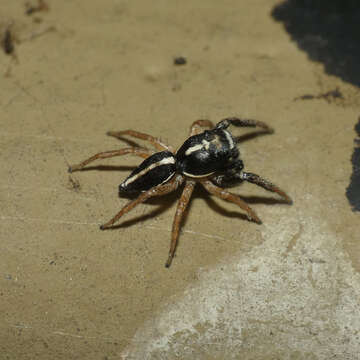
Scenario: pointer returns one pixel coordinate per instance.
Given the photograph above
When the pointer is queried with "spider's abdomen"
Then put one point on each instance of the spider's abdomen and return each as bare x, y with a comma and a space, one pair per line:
206, 153
155, 170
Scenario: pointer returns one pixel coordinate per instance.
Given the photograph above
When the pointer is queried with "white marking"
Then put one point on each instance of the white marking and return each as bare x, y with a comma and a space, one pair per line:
197, 176
229, 139
168, 178
217, 142
204, 145
168, 160
193, 149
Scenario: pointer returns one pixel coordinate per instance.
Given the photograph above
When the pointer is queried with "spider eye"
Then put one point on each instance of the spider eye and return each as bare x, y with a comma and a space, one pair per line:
208, 135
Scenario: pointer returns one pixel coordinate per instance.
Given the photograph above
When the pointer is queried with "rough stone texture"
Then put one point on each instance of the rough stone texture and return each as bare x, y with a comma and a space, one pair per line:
287, 289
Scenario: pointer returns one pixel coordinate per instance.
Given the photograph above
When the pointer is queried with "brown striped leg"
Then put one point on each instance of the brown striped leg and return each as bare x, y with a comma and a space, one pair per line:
267, 185
159, 145
164, 189
225, 195
244, 123
198, 125
180, 210
144, 153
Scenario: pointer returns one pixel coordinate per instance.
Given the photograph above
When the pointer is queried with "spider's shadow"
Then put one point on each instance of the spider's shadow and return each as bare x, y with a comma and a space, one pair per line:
238, 139
250, 135
129, 142
203, 194
163, 203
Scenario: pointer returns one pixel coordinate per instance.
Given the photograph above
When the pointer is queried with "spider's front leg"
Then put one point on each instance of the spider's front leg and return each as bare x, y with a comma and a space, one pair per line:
266, 184
231, 176
225, 123
236, 174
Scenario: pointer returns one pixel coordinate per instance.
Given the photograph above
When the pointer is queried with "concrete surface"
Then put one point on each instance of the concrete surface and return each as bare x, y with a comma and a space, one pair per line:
287, 289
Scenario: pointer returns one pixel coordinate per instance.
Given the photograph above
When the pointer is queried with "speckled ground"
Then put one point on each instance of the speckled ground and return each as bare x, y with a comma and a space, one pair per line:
286, 289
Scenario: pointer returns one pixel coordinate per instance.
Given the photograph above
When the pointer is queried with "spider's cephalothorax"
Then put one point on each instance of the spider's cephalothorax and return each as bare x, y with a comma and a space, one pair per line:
207, 153
209, 157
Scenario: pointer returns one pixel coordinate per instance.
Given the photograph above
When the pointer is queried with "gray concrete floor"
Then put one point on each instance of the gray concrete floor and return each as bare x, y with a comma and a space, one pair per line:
286, 289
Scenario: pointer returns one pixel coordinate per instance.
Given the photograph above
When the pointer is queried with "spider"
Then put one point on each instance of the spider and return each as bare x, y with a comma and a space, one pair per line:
209, 157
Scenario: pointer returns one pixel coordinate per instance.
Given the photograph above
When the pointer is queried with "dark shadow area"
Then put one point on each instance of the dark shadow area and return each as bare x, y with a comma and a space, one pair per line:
200, 192
163, 203
250, 136
214, 206
329, 96
265, 200
353, 190
328, 31
129, 142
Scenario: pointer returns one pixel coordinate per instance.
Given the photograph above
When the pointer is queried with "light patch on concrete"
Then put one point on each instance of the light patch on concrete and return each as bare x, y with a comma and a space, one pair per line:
294, 297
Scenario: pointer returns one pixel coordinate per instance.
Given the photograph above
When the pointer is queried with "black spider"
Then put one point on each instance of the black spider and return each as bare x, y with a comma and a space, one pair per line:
209, 157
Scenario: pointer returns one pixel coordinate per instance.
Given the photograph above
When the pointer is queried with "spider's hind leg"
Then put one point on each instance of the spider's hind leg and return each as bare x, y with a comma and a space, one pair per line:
156, 142
144, 153
164, 189
198, 126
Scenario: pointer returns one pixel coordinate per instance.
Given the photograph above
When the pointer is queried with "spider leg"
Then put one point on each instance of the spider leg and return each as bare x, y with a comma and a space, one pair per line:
144, 153
157, 143
230, 176
197, 126
226, 195
267, 185
225, 123
164, 189
180, 210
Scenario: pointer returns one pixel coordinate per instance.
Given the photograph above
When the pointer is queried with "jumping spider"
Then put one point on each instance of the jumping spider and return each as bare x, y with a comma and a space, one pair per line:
209, 157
